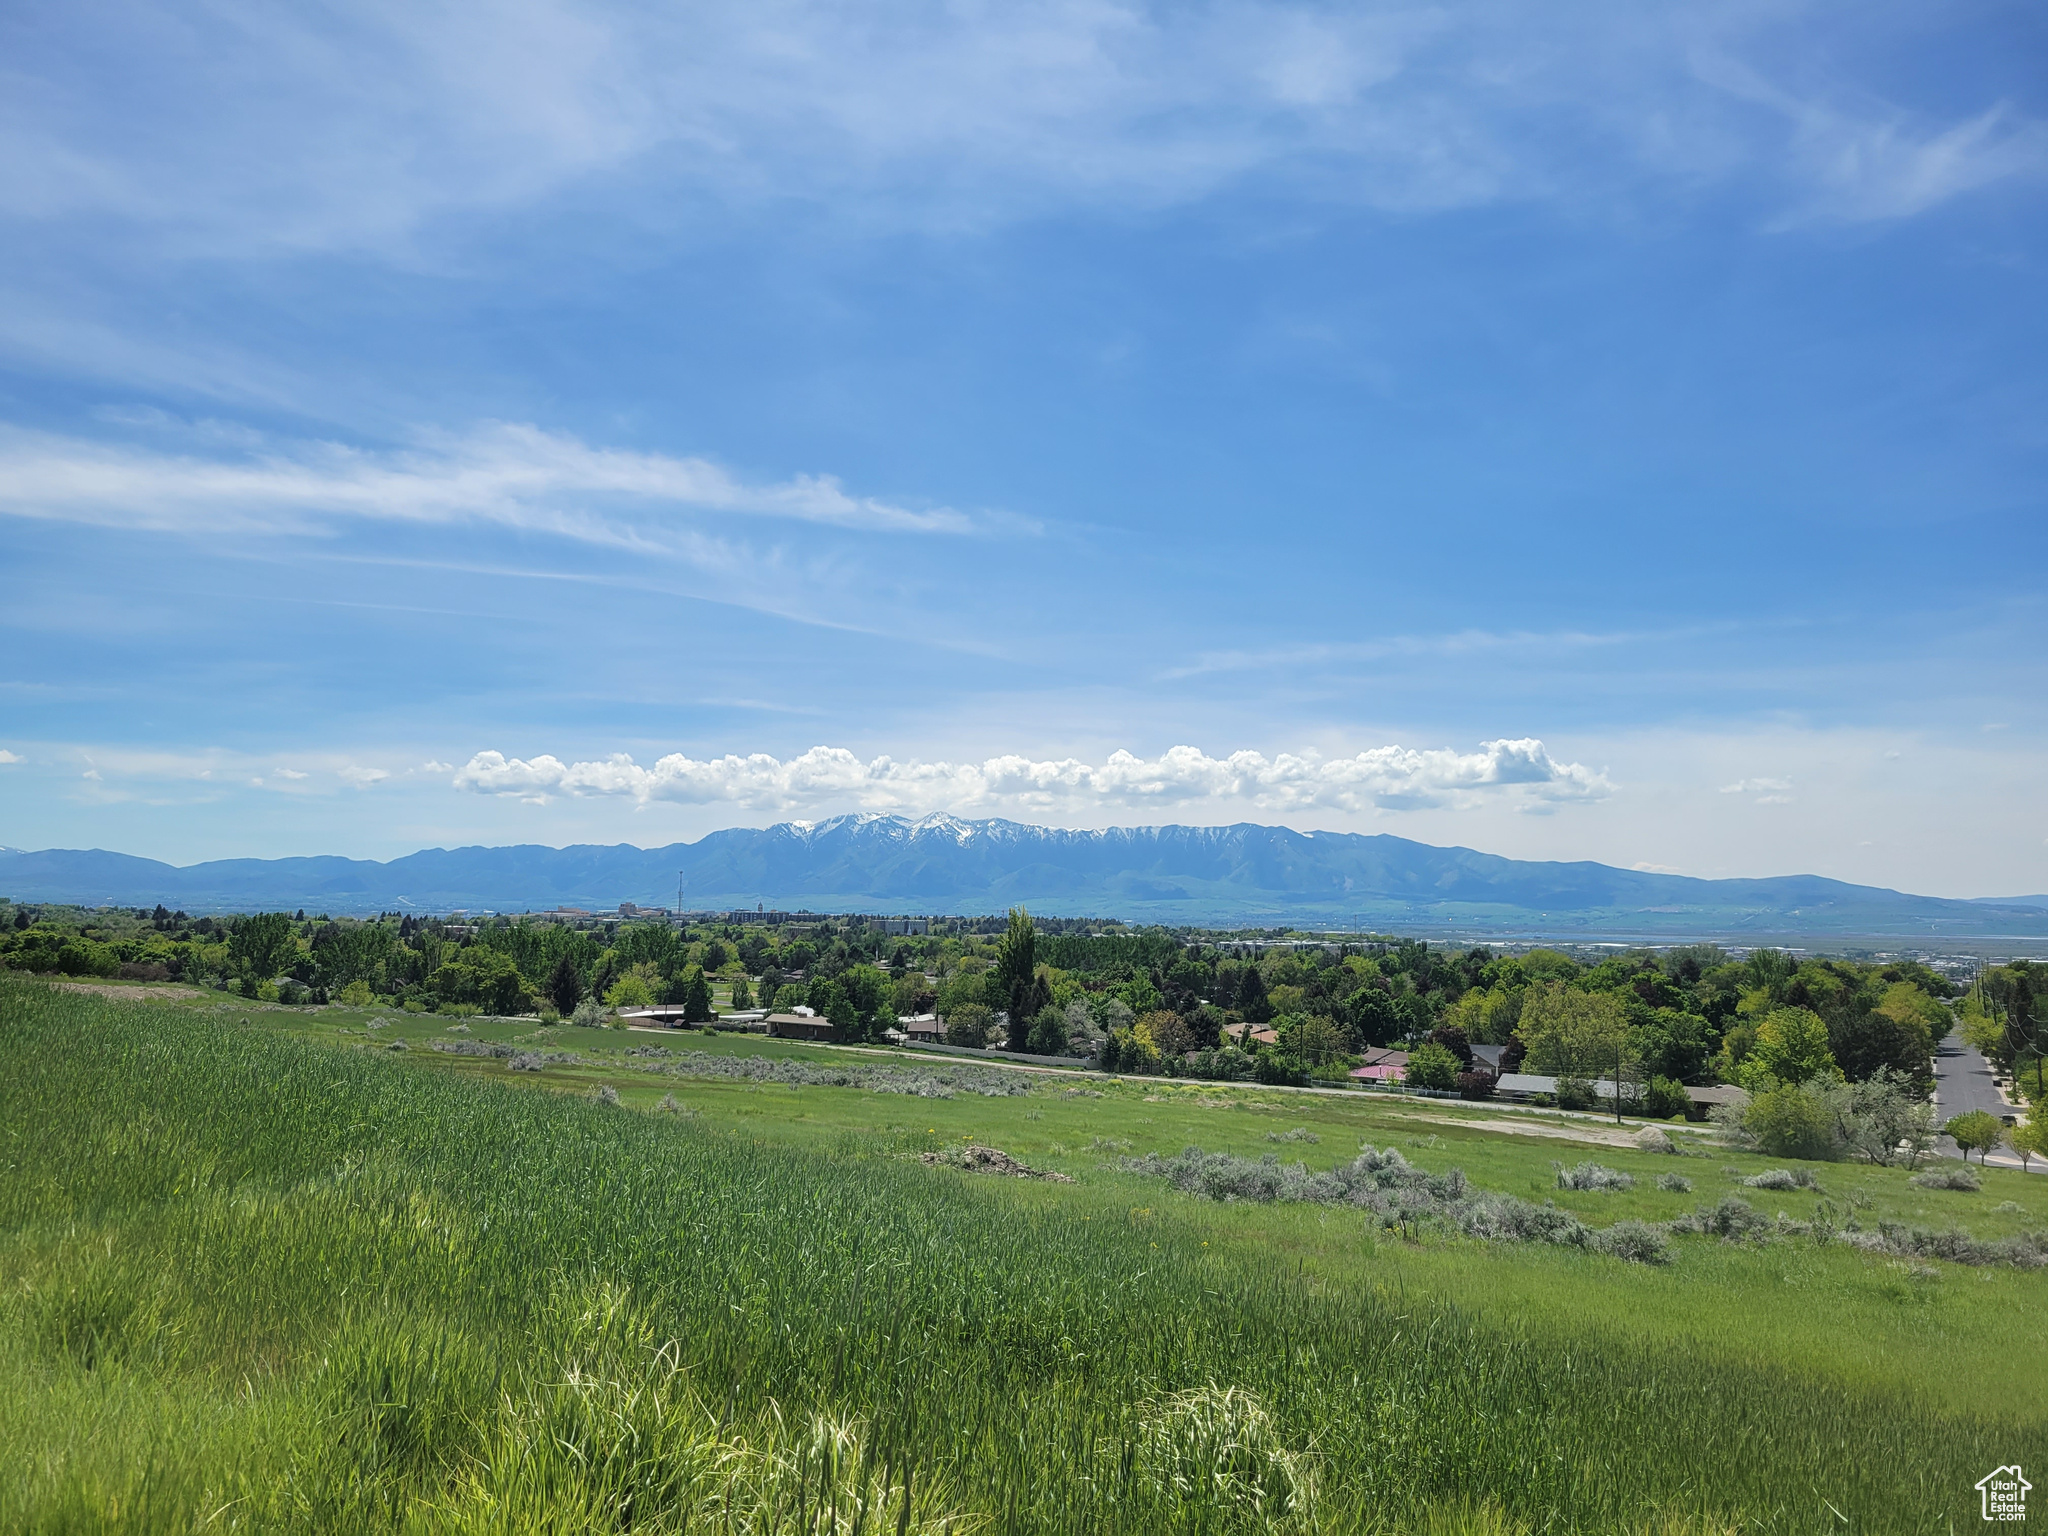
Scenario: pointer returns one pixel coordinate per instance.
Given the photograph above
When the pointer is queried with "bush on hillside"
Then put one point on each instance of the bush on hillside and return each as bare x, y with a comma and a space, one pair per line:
1782, 1179
1791, 1120
1956, 1176
1593, 1176
1636, 1241
1732, 1218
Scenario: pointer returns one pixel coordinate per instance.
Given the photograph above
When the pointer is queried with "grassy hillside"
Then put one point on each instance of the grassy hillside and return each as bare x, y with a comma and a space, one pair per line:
254, 1282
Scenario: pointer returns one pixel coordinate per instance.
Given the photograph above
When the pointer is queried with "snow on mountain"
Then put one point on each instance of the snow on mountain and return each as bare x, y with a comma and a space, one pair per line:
1242, 874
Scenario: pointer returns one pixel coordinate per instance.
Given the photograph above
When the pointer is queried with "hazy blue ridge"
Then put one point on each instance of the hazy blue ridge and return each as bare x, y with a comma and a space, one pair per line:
1242, 874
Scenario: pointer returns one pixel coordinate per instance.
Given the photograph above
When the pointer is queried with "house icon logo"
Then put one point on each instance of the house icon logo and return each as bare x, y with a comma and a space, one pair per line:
2005, 1494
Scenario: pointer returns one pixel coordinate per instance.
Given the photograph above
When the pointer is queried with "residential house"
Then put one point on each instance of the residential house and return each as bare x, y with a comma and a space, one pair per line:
802, 1024
921, 1028
1380, 1065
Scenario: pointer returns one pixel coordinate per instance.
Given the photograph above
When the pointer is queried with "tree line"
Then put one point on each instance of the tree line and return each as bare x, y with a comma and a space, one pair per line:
1185, 1002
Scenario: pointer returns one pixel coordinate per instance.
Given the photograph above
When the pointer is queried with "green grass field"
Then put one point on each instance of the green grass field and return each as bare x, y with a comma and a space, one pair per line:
275, 1275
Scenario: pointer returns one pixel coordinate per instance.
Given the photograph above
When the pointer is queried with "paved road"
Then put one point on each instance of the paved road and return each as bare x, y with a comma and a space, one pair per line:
1962, 1082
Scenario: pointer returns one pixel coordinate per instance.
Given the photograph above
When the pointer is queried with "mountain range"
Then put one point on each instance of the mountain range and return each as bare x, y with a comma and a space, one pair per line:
1243, 875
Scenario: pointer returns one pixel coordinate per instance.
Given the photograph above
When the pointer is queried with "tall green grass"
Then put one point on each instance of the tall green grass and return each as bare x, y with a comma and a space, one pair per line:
251, 1284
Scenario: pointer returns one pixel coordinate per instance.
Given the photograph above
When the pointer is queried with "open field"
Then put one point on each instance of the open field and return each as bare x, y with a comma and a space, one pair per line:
278, 1275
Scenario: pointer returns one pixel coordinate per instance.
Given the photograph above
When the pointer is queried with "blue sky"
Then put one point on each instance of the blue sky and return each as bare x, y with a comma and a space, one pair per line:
1592, 431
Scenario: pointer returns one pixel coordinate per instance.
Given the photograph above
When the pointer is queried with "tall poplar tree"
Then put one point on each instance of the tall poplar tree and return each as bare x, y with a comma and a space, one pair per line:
1016, 969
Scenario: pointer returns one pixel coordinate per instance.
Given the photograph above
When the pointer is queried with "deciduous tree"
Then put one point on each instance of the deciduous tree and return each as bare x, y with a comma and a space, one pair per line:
968, 1025
1167, 1033
1791, 1047
2030, 1139
1575, 1034
1977, 1132
262, 945
1431, 1066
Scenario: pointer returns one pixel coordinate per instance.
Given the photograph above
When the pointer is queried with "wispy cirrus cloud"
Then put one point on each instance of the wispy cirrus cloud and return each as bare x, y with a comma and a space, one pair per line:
901, 113
511, 475
1863, 159
159, 775
1382, 778
1461, 643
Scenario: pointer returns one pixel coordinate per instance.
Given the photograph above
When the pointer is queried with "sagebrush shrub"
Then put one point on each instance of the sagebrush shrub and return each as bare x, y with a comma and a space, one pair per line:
1593, 1176
1961, 1176
933, 1082
1731, 1217
1782, 1178
1636, 1241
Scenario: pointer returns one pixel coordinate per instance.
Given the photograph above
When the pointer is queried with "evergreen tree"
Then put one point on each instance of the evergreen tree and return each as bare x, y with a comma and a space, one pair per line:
696, 997
1251, 997
565, 986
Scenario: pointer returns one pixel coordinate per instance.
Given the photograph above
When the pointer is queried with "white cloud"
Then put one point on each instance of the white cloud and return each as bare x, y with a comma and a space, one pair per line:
1388, 778
375, 121
1864, 159
1751, 786
512, 475
289, 773
9, 757
361, 777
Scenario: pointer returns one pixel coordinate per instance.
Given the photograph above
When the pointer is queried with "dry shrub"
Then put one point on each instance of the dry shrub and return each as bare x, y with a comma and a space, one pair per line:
1593, 1176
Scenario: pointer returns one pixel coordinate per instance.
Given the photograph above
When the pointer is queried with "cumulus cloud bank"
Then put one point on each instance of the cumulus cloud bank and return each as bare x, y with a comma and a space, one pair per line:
1389, 778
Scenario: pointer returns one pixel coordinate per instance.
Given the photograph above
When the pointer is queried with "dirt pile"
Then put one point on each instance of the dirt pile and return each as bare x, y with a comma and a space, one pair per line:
988, 1160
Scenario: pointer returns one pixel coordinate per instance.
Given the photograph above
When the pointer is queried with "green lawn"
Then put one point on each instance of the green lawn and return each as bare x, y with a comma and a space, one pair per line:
278, 1273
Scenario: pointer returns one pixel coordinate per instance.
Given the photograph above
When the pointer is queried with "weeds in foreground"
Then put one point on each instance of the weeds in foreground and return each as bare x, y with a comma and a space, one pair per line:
258, 1285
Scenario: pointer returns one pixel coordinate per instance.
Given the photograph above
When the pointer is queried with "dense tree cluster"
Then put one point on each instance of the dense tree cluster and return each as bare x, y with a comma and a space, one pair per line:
1281, 1011
1179, 1003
